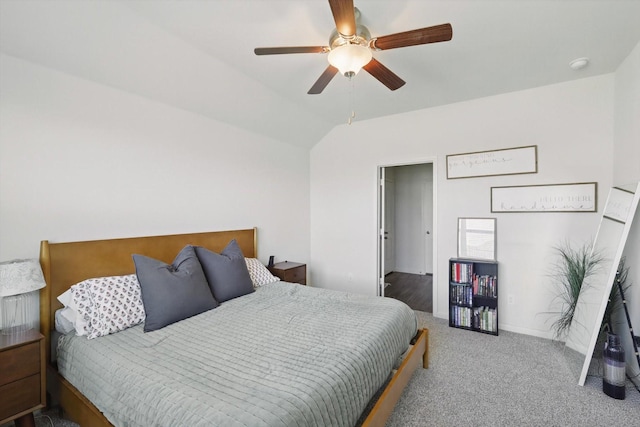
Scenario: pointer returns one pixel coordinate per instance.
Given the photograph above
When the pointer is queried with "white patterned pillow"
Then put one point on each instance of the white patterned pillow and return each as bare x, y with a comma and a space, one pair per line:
107, 305
259, 273
77, 299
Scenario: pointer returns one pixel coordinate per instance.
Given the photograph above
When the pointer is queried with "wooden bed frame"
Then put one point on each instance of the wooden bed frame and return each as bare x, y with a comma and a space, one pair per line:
65, 264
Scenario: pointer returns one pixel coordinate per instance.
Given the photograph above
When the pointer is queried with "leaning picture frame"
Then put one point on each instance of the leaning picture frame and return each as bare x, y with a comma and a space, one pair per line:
477, 238
618, 204
575, 197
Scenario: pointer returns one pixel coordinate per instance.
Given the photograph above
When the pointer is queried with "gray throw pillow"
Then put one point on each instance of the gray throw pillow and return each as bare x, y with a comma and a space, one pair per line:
226, 272
172, 292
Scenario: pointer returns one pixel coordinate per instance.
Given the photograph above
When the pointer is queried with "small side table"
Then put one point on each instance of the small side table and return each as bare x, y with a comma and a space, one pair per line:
293, 272
22, 377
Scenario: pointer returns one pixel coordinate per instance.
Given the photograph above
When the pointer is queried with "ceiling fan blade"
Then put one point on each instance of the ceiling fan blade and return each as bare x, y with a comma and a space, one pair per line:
290, 49
323, 80
344, 15
438, 33
383, 74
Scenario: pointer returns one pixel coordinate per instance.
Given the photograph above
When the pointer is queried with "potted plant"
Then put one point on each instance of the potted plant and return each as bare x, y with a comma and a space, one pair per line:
571, 270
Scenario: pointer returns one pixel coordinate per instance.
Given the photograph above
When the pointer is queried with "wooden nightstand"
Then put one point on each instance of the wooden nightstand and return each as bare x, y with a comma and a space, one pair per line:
293, 272
22, 377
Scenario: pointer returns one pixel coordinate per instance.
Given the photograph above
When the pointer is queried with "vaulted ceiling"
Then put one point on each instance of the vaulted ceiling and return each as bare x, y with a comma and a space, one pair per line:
198, 55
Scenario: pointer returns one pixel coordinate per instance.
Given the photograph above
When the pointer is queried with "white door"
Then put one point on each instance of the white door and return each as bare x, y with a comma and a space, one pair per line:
427, 221
388, 235
381, 222
386, 226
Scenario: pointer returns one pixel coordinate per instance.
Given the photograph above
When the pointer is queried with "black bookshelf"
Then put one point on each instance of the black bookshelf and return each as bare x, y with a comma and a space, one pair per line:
473, 295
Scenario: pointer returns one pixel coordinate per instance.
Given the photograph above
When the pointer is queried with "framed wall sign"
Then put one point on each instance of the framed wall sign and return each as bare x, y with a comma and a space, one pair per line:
580, 197
618, 204
507, 161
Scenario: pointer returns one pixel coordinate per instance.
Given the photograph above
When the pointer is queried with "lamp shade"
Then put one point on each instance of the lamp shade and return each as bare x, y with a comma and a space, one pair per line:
350, 58
20, 276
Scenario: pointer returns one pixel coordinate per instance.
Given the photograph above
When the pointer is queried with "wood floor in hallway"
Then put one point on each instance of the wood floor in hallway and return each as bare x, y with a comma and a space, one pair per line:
415, 290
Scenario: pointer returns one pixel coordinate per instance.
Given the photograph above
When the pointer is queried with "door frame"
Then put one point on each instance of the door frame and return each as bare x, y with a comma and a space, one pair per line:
380, 224
389, 221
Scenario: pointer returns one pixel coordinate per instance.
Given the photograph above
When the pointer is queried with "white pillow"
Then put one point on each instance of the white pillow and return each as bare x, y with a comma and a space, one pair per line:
259, 273
105, 305
67, 316
64, 320
65, 298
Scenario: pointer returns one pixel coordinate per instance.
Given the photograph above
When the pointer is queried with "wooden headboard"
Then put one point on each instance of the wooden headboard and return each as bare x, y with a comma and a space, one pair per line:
65, 264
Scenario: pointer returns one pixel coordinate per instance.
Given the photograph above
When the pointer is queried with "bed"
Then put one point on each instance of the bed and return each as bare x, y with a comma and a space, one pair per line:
266, 374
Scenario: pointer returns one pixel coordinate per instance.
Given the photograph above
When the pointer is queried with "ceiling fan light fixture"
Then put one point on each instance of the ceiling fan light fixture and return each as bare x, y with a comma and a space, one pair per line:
349, 58
351, 47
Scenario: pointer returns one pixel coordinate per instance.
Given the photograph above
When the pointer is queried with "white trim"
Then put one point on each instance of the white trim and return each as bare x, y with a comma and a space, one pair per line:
527, 331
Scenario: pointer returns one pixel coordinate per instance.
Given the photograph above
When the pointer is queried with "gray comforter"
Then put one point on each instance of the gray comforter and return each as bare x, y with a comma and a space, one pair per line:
285, 355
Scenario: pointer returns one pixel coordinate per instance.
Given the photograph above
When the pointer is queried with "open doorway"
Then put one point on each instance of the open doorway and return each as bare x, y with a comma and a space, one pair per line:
406, 219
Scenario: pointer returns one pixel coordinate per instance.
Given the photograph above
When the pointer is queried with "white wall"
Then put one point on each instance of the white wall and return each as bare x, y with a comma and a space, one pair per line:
572, 125
627, 170
82, 161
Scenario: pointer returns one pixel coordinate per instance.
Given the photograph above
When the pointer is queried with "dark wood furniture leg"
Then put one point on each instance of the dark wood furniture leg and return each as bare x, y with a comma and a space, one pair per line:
25, 421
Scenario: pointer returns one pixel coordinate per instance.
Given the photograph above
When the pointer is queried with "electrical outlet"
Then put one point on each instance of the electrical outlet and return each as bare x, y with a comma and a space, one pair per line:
511, 299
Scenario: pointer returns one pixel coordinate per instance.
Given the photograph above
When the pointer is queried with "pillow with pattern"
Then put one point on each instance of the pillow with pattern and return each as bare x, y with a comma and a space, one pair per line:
259, 273
79, 303
105, 305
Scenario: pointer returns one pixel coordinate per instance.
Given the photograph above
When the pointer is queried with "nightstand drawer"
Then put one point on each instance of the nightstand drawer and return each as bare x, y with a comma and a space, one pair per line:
19, 396
288, 271
19, 363
296, 275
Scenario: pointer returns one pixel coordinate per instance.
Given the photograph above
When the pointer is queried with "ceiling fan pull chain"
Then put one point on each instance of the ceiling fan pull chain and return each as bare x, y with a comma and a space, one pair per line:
352, 96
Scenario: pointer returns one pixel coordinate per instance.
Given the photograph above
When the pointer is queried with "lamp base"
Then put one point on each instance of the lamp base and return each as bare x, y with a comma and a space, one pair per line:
19, 313
15, 330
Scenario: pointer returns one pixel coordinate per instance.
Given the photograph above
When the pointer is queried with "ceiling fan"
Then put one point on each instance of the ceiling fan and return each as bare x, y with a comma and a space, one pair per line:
351, 47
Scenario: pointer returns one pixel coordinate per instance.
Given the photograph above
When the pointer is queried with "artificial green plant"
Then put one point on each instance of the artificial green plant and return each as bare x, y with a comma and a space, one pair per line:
571, 270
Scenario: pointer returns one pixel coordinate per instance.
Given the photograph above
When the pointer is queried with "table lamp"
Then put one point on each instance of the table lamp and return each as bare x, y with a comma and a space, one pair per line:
19, 281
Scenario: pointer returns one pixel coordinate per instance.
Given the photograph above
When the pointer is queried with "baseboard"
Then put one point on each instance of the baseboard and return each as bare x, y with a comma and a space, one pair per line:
442, 315
527, 331
507, 327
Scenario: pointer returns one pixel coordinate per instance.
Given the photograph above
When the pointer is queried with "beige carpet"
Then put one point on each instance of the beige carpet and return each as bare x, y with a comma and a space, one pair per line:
509, 380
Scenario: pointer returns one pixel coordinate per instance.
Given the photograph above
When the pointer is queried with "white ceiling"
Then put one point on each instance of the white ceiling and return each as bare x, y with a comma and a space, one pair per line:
198, 55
